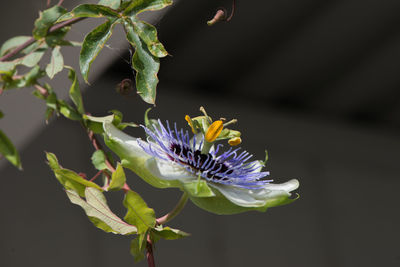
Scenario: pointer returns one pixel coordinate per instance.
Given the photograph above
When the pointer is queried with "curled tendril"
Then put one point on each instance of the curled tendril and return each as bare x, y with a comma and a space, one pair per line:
221, 15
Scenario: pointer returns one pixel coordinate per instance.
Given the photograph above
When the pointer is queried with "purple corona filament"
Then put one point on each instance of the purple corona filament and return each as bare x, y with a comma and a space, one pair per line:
229, 167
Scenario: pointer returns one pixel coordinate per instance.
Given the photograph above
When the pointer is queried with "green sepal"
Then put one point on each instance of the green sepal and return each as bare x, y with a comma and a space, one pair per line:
114, 4
118, 179
99, 160
56, 63
95, 124
139, 6
12, 43
167, 233
93, 44
68, 178
75, 92
89, 11
8, 150
144, 63
47, 19
138, 248
198, 188
99, 213
138, 213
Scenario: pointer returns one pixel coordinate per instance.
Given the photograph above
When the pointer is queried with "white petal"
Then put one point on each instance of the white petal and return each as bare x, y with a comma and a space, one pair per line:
168, 170
128, 142
258, 197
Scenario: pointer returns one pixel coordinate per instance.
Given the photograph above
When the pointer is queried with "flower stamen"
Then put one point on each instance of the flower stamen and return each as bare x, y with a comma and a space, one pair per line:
214, 131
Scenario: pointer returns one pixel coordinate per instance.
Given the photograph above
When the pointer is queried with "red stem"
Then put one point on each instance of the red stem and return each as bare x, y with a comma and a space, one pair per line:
149, 253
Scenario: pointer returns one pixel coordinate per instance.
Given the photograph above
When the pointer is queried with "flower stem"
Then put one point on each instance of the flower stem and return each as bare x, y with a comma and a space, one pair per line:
173, 213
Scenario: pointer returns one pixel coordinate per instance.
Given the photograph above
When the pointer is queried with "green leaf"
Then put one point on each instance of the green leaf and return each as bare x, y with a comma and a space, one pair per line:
148, 33
93, 44
138, 214
1, 114
12, 43
26, 80
198, 189
99, 160
46, 19
138, 249
32, 76
68, 111
69, 179
51, 101
56, 63
32, 59
117, 116
7, 66
8, 150
99, 213
114, 4
89, 11
75, 92
57, 37
167, 233
139, 6
118, 179
145, 64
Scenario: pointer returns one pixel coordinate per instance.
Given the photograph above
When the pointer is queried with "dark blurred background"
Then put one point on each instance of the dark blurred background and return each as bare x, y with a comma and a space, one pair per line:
314, 82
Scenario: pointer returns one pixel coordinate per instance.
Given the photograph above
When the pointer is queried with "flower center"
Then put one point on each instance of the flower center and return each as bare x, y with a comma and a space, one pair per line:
204, 163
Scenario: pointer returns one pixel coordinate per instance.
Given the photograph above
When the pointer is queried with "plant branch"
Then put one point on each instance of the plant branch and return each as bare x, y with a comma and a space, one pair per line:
173, 213
32, 39
149, 253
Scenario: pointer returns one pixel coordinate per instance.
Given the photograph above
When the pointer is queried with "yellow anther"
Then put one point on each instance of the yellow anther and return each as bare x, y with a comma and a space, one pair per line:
190, 122
214, 131
235, 141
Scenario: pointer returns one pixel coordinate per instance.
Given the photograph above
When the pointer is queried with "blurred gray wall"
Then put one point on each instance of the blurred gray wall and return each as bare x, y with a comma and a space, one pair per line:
347, 165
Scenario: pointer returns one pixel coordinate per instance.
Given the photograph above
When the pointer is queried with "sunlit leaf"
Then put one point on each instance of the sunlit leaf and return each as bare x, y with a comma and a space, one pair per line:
68, 178
56, 63
93, 44
89, 11
138, 213
114, 4
47, 19
139, 6
145, 64
8, 150
148, 33
96, 208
